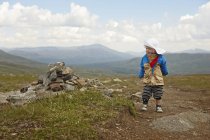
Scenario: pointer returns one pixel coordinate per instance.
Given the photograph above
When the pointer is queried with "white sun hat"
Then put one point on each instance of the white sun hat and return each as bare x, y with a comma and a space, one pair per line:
153, 43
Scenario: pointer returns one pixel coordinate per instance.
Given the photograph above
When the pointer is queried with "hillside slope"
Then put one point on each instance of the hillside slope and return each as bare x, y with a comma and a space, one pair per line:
177, 64
16, 64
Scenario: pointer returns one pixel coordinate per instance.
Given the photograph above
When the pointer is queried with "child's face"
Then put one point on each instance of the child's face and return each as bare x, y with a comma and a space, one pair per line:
150, 51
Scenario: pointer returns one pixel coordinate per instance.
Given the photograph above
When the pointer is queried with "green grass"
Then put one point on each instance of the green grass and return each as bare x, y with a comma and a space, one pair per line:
75, 115
15, 82
68, 116
189, 82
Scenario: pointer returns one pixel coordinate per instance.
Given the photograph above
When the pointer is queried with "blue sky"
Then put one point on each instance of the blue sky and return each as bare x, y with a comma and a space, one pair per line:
119, 24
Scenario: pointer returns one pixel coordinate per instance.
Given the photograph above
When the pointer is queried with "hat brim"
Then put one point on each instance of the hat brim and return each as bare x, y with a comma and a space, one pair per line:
154, 44
159, 50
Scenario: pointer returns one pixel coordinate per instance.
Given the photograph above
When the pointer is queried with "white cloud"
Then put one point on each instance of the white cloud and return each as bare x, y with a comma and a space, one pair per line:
194, 30
112, 24
81, 16
33, 26
186, 17
19, 15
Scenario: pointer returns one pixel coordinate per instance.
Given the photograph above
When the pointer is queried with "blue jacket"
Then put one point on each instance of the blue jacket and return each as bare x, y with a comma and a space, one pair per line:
153, 75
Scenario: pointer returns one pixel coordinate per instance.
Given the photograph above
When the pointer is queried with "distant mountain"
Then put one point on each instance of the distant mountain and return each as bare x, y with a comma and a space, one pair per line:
177, 64
189, 63
136, 54
77, 55
194, 51
190, 51
15, 64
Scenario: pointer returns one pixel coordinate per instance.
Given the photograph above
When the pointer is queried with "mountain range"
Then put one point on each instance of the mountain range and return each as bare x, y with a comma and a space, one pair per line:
178, 63
79, 55
189, 51
98, 59
195, 51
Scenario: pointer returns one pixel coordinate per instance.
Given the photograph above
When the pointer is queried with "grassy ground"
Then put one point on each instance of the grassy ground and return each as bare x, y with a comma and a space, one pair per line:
189, 82
72, 115
75, 115
9, 82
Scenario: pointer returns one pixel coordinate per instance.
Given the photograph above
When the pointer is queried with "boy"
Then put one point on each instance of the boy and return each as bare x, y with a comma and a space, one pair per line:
152, 69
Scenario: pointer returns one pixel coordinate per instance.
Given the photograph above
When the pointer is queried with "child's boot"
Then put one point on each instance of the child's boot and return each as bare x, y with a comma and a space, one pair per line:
144, 107
159, 109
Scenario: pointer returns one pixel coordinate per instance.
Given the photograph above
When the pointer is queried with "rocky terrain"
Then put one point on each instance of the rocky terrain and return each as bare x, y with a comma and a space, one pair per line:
186, 116
186, 112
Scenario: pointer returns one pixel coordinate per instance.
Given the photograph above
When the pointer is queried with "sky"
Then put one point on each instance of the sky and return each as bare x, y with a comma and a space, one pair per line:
122, 25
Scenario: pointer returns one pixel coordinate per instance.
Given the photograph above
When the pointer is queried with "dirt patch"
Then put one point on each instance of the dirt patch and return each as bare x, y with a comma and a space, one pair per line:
186, 116
118, 128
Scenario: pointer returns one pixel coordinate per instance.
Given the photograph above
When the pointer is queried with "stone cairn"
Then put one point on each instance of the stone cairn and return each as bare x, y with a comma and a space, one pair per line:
57, 80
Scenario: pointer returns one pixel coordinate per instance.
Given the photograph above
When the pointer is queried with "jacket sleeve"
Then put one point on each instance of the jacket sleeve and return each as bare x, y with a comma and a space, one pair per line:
163, 66
141, 72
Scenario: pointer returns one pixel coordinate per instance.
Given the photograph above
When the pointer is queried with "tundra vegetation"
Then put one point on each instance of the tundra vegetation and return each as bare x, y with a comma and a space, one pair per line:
77, 114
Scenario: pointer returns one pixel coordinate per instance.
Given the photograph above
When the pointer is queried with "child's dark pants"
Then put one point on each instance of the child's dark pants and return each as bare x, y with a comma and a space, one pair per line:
155, 91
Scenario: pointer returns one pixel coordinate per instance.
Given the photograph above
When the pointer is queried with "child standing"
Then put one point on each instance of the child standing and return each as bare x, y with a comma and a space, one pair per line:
152, 69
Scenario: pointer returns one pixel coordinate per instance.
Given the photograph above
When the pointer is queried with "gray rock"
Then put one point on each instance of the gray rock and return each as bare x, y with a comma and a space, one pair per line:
68, 87
117, 80
180, 122
136, 97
